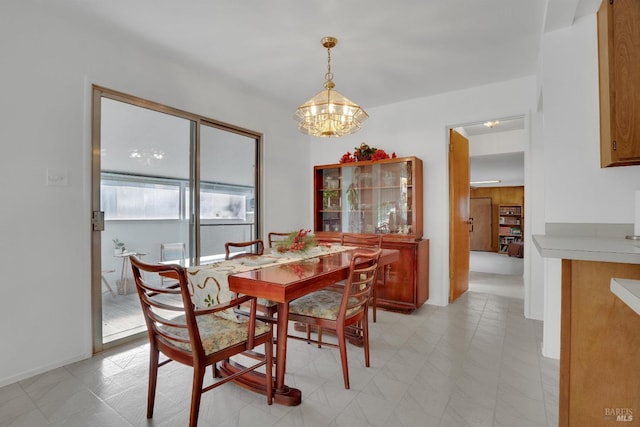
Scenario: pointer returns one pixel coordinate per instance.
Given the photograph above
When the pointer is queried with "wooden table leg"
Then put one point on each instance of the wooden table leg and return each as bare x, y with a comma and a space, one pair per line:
282, 394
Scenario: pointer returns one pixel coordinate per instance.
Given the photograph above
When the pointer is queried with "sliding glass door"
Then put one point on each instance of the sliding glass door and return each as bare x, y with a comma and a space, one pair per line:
227, 189
149, 161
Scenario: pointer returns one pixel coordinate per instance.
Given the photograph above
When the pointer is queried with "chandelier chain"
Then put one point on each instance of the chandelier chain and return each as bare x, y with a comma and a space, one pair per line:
329, 76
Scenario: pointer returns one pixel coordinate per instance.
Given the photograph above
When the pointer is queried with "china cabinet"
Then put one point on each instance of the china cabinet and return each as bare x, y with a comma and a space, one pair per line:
381, 197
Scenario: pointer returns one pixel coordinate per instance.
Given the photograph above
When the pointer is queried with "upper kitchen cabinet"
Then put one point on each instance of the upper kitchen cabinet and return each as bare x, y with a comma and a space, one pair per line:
619, 67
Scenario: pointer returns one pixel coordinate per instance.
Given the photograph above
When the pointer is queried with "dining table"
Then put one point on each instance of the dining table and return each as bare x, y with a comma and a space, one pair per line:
282, 283
277, 277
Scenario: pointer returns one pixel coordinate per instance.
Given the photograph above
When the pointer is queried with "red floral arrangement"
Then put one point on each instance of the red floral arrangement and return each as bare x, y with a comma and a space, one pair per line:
300, 270
297, 241
364, 152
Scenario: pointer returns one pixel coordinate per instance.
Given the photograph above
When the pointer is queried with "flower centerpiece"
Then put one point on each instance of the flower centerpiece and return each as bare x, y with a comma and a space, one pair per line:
297, 241
365, 152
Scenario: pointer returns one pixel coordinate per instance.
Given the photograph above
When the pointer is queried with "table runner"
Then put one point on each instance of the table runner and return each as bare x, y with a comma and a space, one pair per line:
209, 283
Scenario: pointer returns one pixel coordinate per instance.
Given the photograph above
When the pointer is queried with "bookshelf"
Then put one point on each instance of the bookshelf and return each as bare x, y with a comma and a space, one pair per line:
509, 226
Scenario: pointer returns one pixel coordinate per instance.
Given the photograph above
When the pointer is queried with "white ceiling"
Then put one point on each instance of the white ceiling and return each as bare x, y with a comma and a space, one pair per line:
388, 51
508, 168
502, 125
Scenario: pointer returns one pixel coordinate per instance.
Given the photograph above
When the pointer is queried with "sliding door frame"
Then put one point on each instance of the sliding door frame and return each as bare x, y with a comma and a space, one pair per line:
98, 93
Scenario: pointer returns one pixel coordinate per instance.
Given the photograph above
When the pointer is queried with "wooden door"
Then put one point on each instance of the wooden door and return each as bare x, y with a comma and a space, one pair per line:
458, 215
481, 227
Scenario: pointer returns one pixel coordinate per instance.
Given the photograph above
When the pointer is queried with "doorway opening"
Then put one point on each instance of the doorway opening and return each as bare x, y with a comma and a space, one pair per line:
496, 171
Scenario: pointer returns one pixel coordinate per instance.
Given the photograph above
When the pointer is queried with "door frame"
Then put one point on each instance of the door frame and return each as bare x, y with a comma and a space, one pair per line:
531, 125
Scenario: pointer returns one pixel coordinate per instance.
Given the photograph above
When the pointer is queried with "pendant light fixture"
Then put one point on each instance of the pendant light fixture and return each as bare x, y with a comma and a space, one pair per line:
329, 113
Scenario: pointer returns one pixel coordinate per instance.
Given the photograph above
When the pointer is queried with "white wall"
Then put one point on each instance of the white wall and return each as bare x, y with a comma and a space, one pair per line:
572, 135
576, 189
420, 128
48, 64
534, 210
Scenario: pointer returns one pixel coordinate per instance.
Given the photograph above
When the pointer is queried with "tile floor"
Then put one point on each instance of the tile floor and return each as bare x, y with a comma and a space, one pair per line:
493, 262
476, 362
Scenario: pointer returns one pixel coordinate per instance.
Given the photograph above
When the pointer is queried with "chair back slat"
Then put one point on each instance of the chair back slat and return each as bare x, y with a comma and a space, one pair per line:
357, 291
276, 236
252, 247
361, 240
367, 241
157, 302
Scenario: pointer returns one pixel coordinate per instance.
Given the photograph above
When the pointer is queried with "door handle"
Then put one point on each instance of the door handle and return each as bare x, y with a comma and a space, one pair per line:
470, 224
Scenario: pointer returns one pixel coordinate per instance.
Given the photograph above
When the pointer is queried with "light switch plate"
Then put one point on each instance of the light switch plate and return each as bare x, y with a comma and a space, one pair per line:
57, 177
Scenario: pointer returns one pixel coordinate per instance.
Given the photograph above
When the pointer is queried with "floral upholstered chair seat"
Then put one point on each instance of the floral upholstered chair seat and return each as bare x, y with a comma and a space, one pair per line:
323, 304
216, 332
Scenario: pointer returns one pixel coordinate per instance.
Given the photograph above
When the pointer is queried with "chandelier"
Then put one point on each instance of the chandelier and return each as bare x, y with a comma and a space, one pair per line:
329, 113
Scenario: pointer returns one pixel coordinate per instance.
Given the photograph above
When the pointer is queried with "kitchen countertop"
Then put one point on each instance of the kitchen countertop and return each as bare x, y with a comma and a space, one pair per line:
605, 249
628, 291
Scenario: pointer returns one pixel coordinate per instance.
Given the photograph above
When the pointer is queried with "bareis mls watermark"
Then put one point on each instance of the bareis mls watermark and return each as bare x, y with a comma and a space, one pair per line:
618, 414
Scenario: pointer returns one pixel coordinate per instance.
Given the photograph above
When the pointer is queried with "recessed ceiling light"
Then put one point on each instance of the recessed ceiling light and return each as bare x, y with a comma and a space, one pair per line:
491, 123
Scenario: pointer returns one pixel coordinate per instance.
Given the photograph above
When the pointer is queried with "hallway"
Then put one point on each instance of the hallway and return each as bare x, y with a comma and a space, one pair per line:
496, 274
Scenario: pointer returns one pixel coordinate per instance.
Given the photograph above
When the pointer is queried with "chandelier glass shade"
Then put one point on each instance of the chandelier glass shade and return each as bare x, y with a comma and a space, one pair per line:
329, 113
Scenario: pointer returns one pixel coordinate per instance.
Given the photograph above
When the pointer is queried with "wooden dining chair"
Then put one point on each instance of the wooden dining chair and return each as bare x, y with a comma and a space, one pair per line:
256, 247
367, 241
340, 311
276, 236
196, 337
249, 248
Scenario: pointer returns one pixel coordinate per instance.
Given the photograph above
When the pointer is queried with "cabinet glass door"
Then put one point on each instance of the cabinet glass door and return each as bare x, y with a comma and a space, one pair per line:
358, 184
394, 198
330, 194
368, 197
